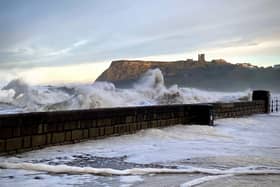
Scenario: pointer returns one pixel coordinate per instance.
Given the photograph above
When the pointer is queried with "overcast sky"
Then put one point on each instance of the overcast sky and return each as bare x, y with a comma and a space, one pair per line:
49, 35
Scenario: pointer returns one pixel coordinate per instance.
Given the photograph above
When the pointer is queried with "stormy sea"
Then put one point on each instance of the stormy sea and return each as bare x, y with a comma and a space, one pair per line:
236, 152
18, 96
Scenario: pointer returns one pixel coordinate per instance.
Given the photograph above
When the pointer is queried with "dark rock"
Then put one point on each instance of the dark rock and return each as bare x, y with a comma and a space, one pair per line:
212, 75
38, 177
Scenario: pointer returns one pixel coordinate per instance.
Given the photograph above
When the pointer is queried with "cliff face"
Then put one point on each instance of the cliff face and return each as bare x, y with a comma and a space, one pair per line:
214, 75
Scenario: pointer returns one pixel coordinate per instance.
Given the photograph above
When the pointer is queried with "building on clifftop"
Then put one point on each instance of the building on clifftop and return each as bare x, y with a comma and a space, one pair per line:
201, 57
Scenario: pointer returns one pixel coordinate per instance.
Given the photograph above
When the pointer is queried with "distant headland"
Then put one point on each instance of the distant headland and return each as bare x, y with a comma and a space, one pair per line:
216, 74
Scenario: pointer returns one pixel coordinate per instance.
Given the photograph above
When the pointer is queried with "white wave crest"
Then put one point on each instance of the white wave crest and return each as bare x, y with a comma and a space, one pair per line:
150, 90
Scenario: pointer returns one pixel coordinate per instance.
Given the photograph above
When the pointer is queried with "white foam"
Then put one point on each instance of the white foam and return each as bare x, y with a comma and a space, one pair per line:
256, 136
255, 170
130, 180
150, 90
203, 180
6, 96
42, 179
235, 142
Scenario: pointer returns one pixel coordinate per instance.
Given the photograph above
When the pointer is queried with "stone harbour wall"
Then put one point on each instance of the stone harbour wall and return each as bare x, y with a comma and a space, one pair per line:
238, 109
27, 131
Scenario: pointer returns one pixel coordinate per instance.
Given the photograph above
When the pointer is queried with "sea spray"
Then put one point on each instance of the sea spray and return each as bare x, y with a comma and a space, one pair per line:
149, 90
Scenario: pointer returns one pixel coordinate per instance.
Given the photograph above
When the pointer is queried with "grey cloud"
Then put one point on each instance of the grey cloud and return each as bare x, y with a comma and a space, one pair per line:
43, 33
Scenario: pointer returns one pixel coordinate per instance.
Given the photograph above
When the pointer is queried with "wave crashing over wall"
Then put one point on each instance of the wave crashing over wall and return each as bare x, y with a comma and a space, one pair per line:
19, 96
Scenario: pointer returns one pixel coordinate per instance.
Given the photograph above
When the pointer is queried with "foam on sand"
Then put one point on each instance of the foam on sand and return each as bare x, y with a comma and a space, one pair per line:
130, 180
233, 143
254, 170
204, 179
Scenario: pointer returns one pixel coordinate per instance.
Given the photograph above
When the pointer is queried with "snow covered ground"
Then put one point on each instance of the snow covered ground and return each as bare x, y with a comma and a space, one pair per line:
241, 151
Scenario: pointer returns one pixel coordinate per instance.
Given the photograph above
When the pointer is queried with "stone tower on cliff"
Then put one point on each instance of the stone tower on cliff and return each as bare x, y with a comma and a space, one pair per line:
201, 57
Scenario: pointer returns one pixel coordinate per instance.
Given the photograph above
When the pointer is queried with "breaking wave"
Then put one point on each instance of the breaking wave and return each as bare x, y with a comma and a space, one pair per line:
19, 96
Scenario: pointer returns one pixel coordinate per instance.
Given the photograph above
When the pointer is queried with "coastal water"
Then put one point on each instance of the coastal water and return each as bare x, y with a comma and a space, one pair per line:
235, 152
19, 96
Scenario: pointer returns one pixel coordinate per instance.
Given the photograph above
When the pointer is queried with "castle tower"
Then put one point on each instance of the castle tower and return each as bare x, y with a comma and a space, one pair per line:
201, 57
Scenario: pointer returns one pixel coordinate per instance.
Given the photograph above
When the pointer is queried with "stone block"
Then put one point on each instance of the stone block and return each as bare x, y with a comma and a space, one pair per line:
89, 123
133, 127
58, 137
100, 123
103, 122
13, 144
51, 127
101, 131
38, 140
161, 122
121, 129
114, 120
2, 146
12, 152
116, 129
16, 131
140, 117
77, 134
93, 132
155, 116
78, 125
49, 138
85, 133
82, 124
40, 129
107, 122
138, 126
26, 141
144, 125
127, 128
59, 127
155, 124
118, 120
68, 136
70, 125
6, 133
109, 130
24, 150
129, 119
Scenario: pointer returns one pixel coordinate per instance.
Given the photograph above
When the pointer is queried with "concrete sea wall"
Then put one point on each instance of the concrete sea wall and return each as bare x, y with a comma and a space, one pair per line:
238, 109
27, 131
